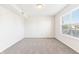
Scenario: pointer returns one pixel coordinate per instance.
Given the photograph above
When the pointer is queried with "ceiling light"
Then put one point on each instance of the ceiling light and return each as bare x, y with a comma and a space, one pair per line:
39, 6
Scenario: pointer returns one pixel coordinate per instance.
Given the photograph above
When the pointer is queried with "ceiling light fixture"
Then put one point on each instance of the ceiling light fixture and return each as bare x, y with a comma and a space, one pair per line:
40, 6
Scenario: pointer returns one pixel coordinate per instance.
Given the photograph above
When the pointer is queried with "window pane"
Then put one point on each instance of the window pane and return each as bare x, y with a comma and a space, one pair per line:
75, 23
66, 27
70, 23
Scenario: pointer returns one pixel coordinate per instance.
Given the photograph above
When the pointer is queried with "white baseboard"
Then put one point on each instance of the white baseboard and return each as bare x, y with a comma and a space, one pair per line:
38, 37
10, 45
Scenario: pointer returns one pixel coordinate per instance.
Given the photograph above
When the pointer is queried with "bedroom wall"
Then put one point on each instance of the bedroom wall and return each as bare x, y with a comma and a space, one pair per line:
71, 42
39, 27
11, 28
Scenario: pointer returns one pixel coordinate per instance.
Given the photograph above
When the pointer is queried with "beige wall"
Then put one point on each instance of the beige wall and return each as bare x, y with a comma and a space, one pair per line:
11, 28
71, 42
39, 27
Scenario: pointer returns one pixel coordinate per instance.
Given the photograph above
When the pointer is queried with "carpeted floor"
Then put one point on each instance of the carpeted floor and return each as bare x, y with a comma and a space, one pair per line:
39, 46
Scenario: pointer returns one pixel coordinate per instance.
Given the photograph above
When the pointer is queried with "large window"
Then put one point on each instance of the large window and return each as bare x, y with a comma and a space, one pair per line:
70, 23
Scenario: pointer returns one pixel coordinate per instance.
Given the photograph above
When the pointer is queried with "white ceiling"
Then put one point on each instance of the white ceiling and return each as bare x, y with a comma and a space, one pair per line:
47, 10
32, 10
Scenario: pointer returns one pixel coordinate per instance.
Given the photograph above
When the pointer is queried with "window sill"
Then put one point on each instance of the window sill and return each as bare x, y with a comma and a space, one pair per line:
69, 36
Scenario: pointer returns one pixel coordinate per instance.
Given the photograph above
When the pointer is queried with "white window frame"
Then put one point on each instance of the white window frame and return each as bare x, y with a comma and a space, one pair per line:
63, 34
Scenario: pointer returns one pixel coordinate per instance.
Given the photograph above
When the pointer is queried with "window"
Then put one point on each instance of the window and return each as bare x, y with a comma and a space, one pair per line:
70, 23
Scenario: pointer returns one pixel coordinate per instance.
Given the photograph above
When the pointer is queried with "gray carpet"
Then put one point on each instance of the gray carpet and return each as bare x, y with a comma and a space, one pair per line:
39, 46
